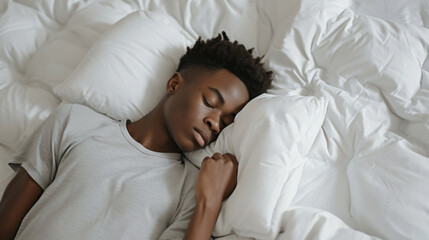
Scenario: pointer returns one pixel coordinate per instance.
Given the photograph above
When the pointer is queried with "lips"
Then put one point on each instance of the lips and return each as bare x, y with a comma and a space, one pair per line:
201, 137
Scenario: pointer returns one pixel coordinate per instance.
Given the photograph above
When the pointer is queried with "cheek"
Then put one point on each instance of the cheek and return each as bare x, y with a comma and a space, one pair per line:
181, 134
182, 113
188, 110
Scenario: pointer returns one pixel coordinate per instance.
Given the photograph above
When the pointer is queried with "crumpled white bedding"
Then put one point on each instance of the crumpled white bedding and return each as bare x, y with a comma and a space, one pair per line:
368, 170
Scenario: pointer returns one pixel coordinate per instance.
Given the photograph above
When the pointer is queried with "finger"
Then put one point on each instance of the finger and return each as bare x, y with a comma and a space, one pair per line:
230, 157
217, 156
205, 160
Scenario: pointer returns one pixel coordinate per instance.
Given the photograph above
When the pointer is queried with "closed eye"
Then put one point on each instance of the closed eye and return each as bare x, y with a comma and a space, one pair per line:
206, 102
223, 123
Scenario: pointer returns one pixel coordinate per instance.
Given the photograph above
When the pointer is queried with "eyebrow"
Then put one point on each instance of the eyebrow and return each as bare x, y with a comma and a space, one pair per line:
218, 94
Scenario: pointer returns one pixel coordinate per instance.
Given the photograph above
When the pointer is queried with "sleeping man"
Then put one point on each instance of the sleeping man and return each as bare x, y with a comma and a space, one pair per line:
83, 175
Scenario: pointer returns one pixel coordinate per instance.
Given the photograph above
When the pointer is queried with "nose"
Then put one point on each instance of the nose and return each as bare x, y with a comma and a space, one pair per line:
212, 122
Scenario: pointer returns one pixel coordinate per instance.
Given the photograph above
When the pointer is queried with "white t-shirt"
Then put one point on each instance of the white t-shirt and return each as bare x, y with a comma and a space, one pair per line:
99, 183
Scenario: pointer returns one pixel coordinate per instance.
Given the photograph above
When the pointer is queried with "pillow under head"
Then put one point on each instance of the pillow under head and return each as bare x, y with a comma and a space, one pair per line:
270, 138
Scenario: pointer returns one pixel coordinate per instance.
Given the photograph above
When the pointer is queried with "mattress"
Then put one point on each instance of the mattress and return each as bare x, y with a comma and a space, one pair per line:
367, 172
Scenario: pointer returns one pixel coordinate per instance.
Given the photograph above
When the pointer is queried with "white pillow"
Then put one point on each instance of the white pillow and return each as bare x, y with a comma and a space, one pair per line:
269, 137
124, 73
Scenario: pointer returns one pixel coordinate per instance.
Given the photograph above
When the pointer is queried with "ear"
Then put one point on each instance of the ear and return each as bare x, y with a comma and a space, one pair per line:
174, 83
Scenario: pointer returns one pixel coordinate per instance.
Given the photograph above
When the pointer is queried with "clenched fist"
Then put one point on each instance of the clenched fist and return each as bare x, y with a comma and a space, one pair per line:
217, 178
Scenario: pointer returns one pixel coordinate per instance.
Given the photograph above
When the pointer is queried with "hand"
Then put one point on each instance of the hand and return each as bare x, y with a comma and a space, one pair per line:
217, 178
216, 181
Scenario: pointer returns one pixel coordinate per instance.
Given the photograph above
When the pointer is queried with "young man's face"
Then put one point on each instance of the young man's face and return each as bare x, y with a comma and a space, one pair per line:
200, 104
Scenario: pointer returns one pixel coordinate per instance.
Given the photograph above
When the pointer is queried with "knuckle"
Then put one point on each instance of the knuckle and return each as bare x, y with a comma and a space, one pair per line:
229, 155
206, 160
235, 163
230, 164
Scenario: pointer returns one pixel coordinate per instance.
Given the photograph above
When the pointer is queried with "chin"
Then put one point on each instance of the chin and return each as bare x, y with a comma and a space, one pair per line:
185, 143
188, 146
191, 149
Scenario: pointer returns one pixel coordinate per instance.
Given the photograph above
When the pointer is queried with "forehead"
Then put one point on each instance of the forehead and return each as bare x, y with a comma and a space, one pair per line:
232, 89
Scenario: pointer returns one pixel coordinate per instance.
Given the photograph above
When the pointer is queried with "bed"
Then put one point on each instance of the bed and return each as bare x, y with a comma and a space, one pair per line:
362, 66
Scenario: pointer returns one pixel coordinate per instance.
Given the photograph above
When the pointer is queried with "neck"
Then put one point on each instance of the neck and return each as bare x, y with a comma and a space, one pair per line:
151, 131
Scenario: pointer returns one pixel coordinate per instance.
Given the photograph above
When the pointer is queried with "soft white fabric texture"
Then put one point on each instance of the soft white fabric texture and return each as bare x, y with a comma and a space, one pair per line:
305, 222
375, 73
370, 58
269, 137
124, 73
385, 197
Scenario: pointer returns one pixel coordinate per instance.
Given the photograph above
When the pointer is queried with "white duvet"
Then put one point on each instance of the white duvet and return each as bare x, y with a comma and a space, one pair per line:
366, 174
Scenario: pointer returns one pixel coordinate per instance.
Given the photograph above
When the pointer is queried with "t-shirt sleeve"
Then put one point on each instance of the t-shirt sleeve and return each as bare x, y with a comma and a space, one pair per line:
179, 225
40, 154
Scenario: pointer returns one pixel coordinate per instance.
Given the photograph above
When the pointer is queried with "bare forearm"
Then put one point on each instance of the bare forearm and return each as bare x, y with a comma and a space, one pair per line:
6, 232
8, 225
19, 196
203, 220
9, 221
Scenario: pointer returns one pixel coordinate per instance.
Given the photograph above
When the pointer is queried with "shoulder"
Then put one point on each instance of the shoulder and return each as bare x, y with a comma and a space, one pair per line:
81, 119
82, 109
78, 112
85, 114
65, 109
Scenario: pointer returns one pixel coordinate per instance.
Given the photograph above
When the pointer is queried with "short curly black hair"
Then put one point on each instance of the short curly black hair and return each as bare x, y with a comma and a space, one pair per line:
219, 53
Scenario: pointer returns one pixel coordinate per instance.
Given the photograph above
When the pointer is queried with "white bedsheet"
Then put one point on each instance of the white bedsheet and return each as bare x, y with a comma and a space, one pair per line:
367, 172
